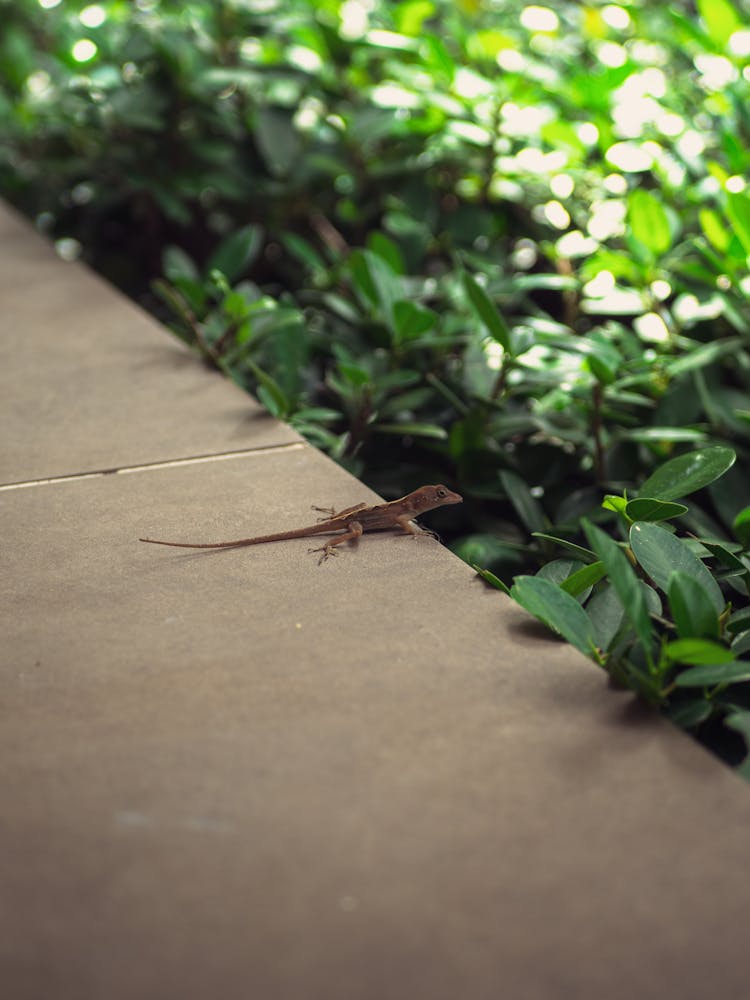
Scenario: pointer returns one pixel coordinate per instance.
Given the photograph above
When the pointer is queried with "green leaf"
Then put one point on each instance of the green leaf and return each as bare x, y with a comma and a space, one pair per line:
526, 506
586, 555
717, 673
606, 613
583, 578
412, 429
739, 720
487, 312
277, 139
721, 20
235, 254
384, 247
558, 610
715, 229
376, 282
178, 265
738, 210
649, 222
700, 652
411, 320
616, 503
691, 713
660, 552
646, 509
577, 550
687, 473
741, 526
491, 579
269, 391
623, 579
692, 608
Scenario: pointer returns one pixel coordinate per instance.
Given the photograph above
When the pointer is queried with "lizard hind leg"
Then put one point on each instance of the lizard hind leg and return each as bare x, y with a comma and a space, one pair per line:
353, 532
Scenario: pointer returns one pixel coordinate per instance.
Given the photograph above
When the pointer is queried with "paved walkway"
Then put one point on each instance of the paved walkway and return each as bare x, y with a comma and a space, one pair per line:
245, 776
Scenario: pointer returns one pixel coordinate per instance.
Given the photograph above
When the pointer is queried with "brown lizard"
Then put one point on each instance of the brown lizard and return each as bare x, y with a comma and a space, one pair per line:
351, 522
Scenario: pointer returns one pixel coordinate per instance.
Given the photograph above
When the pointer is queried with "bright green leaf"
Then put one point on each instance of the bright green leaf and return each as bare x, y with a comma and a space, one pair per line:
491, 579
699, 652
649, 222
583, 578
741, 526
721, 20
738, 210
715, 229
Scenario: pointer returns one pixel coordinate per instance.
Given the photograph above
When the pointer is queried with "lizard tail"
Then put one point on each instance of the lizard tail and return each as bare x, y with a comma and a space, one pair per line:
280, 536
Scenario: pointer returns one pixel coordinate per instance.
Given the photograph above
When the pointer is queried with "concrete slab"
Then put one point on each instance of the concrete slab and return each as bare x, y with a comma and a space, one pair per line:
244, 775
89, 381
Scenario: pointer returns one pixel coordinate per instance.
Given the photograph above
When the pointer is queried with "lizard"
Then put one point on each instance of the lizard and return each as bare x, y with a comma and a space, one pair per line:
351, 522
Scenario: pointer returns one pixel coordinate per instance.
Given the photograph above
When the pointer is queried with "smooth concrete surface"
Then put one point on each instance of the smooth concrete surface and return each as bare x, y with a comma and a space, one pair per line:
88, 381
243, 775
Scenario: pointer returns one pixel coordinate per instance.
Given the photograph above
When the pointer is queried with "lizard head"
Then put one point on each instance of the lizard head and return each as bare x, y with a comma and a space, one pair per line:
439, 496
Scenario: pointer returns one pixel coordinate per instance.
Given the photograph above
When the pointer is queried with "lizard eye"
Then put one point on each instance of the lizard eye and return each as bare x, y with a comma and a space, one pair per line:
441, 492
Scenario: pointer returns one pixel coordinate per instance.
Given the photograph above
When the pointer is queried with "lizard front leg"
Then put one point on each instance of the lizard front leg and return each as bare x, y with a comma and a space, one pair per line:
353, 532
408, 526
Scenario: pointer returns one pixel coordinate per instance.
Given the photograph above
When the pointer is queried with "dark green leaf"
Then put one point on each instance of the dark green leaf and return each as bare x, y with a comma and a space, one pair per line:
278, 140
488, 313
717, 673
606, 611
577, 550
646, 509
660, 552
526, 506
558, 610
237, 252
623, 579
691, 713
692, 608
411, 320
688, 473
413, 429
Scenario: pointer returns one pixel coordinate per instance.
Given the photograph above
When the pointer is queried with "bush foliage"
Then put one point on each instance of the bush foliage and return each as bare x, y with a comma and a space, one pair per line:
485, 242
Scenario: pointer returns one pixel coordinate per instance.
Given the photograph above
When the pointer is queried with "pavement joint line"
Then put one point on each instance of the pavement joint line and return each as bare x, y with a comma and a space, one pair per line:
127, 470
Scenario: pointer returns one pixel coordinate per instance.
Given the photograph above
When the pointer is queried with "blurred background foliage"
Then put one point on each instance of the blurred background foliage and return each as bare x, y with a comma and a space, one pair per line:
491, 243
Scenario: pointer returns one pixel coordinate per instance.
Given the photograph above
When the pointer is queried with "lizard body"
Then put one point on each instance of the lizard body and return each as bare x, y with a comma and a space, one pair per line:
351, 522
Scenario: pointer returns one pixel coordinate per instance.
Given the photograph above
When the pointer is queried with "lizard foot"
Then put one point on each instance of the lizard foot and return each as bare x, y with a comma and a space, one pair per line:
326, 550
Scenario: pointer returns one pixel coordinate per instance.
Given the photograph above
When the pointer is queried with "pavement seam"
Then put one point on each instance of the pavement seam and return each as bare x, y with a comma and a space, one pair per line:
127, 470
